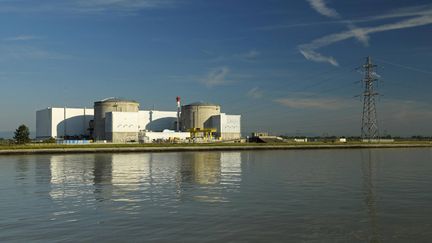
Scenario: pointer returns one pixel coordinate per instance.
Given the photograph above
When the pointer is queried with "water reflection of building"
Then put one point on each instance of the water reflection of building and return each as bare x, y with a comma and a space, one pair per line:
201, 167
143, 176
130, 171
231, 168
42, 170
71, 176
102, 176
148, 173
207, 176
211, 167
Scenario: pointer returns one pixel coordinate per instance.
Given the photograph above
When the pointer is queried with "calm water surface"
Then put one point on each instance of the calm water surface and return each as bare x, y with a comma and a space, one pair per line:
378, 195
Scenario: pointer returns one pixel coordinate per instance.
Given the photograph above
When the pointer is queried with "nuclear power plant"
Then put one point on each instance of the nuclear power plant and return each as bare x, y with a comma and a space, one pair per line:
103, 117
121, 121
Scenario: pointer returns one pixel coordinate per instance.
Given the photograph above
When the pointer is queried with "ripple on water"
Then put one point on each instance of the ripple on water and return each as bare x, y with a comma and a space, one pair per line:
379, 195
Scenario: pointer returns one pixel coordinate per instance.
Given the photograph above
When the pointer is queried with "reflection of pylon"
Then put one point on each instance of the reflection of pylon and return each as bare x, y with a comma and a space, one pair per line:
369, 176
369, 128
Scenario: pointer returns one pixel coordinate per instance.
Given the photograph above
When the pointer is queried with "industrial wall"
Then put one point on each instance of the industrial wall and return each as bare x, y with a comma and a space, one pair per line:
43, 123
227, 126
101, 108
157, 121
124, 126
58, 122
121, 127
198, 115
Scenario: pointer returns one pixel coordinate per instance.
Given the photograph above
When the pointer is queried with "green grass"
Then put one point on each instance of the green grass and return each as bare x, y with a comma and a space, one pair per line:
218, 144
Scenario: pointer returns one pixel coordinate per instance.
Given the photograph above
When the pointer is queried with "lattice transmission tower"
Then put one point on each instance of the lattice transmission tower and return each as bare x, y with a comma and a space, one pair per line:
369, 129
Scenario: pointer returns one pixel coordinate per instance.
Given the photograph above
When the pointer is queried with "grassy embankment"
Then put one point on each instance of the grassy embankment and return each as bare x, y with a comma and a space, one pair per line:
218, 144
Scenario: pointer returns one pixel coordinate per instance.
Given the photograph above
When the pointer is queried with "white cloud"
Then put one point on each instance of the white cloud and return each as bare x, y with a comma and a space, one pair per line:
13, 52
246, 56
315, 103
309, 50
101, 5
251, 55
22, 38
216, 77
410, 116
423, 17
296, 25
397, 13
83, 6
420, 10
312, 55
207, 52
404, 109
359, 34
255, 93
321, 7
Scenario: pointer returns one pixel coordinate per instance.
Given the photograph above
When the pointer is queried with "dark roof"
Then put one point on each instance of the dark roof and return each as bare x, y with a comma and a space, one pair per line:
114, 99
200, 103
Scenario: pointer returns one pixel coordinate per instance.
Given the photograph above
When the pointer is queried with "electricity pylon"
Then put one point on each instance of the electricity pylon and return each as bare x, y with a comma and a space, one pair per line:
369, 128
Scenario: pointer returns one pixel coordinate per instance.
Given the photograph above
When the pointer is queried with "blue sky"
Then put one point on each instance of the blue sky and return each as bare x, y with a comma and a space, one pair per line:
288, 67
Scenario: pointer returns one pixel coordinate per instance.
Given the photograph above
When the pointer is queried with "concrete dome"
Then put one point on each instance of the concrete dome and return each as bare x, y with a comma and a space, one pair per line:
110, 105
198, 115
200, 103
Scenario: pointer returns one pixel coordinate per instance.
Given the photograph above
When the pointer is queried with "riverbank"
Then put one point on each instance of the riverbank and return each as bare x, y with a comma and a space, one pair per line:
129, 148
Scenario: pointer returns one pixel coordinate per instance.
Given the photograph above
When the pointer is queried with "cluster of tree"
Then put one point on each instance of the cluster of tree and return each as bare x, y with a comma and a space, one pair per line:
421, 138
4, 141
22, 135
355, 138
49, 140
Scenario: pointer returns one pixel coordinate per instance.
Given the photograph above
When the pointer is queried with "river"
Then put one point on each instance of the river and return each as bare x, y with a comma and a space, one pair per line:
346, 195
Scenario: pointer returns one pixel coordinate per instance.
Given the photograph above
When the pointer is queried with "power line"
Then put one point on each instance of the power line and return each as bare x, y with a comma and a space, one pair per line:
334, 74
405, 66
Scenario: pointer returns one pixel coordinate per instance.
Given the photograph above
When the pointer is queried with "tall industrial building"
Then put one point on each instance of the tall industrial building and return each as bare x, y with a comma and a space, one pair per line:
120, 120
200, 115
109, 106
61, 122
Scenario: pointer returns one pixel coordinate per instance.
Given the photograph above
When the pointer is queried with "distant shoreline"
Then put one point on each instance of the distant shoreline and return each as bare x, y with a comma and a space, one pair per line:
71, 149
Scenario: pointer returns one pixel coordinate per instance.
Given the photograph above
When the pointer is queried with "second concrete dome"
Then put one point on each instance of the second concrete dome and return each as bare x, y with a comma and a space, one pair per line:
198, 115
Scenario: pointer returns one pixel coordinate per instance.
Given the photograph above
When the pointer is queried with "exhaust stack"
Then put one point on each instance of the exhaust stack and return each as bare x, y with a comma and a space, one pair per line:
178, 113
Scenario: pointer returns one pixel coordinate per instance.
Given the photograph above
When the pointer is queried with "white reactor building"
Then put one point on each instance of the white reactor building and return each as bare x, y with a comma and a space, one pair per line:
120, 121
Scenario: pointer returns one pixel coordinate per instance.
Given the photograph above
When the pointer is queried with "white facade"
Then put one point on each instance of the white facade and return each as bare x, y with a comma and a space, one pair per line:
125, 126
121, 127
121, 122
230, 123
227, 126
58, 122
157, 121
